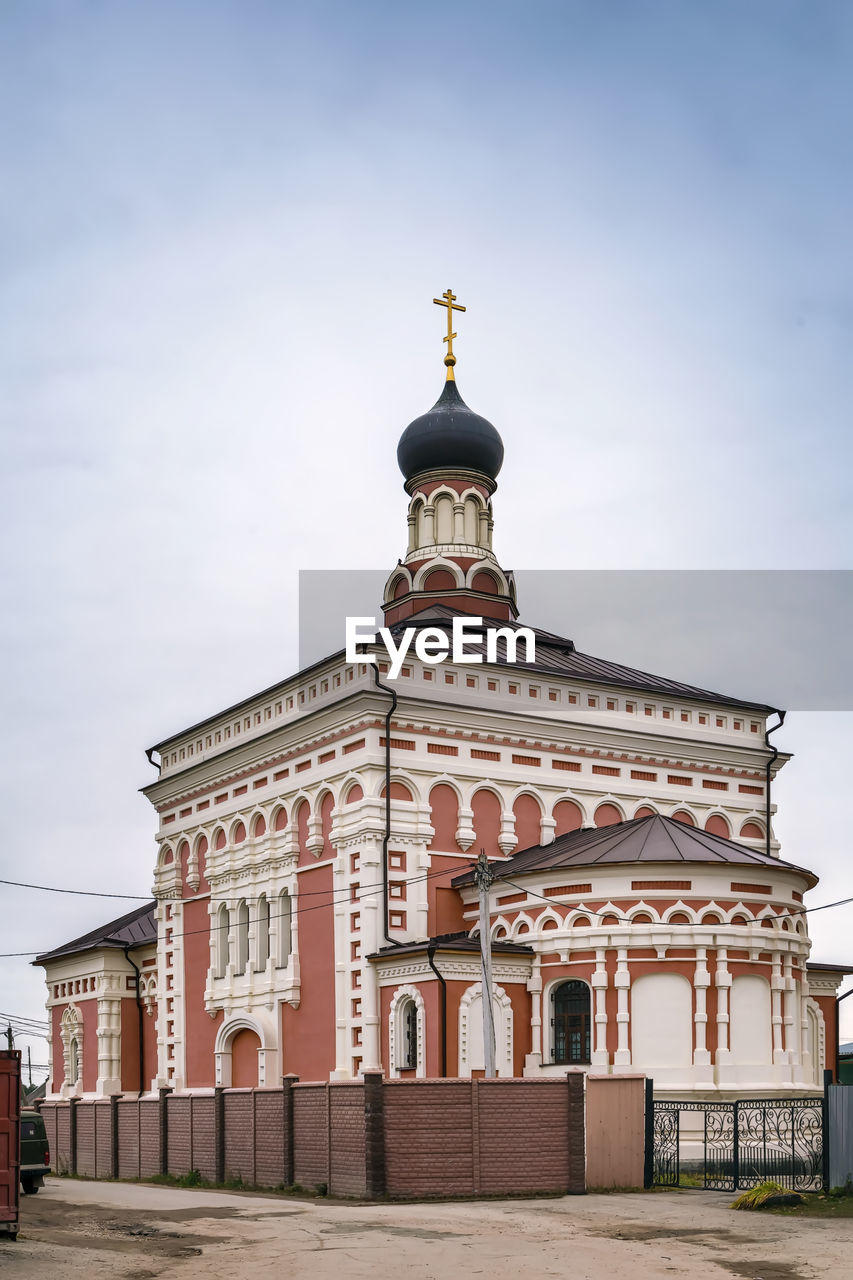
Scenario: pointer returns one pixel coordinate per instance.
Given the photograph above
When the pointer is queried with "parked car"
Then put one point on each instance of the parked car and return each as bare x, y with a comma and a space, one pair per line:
35, 1151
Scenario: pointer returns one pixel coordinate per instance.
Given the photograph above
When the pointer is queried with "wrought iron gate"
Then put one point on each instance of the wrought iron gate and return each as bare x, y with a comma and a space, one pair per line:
727, 1146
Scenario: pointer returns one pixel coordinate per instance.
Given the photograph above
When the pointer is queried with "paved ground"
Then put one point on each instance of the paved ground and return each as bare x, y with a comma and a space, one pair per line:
94, 1230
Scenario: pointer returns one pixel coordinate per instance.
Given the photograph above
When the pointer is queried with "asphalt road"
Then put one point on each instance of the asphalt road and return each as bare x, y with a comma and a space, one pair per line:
77, 1230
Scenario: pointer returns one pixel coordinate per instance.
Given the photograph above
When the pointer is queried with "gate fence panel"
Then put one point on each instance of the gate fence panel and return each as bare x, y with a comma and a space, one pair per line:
728, 1146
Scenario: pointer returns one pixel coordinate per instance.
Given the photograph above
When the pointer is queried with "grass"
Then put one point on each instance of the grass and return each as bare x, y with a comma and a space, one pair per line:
836, 1203
767, 1195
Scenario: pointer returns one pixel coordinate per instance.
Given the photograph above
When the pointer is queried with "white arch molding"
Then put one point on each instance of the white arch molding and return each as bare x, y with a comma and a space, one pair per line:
471, 1049
264, 1027
396, 1033
71, 1033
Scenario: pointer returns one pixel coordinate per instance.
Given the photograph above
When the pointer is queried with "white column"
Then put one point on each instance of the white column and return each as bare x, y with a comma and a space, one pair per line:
701, 1054
342, 909
723, 982
109, 1036
370, 872
622, 983
777, 983
599, 985
459, 522
534, 986
483, 532
791, 1014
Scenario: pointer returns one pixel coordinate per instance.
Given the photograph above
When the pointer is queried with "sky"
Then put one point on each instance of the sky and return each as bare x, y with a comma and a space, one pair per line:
221, 229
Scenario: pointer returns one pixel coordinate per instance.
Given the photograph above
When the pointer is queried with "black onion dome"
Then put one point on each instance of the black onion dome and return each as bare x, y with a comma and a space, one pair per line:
450, 436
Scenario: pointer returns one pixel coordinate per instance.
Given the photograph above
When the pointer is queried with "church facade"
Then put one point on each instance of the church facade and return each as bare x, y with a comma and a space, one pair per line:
314, 908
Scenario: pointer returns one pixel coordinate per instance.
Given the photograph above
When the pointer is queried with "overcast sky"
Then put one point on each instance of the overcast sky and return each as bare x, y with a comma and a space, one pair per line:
222, 228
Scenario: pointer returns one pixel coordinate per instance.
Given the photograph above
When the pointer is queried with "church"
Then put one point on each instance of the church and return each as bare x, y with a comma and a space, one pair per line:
315, 911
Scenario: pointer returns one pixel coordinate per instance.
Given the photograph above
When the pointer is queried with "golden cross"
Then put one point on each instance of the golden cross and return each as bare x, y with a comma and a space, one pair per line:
448, 300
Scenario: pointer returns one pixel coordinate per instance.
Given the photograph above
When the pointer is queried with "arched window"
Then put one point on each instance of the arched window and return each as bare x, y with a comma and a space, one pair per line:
242, 950
71, 1030
285, 918
571, 1022
408, 1050
220, 942
262, 935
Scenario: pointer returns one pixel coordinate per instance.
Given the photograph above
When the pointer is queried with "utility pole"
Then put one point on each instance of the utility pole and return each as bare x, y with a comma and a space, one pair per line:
9, 1037
484, 879
30, 1066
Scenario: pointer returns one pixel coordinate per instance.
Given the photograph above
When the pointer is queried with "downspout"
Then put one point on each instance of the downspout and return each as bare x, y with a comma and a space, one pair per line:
156, 764
769, 767
442, 1008
139, 1016
387, 835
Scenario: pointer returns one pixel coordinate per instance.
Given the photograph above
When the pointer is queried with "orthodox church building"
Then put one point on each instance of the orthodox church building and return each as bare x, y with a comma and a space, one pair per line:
315, 911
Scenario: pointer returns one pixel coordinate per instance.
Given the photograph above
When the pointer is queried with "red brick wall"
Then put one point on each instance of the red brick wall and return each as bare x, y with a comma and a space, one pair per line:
346, 1106
311, 1133
240, 1135
441, 1137
269, 1137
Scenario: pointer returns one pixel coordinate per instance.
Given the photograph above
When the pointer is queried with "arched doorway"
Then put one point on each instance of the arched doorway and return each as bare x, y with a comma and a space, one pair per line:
571, 1022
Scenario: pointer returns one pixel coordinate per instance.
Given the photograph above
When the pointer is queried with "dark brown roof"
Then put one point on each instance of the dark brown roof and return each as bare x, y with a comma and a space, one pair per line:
651, 839
451, 942
135, 929
557, 655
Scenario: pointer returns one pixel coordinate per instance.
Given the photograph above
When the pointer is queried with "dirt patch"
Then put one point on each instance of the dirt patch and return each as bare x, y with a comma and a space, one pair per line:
107, 1231
409, 1233
763, 1270
711, 1235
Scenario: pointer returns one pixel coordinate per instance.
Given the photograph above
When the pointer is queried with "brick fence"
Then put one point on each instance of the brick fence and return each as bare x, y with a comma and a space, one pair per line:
369, 1138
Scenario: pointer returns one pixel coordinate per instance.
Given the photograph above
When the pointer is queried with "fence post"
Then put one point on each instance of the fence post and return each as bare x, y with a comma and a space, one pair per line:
825, 1136
72, 1136
113, 1135
374, 1136
649, 1143
736, 1142
576, 1134
289, 1171
219, 1133
163, 1118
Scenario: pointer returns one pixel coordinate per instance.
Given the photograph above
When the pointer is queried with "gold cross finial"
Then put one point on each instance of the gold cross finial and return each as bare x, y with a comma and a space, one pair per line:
448, 300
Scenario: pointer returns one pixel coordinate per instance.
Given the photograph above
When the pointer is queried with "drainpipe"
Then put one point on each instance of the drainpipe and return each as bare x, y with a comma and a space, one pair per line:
387, 835
442, 1007
149, 755
139, 1019
770, 763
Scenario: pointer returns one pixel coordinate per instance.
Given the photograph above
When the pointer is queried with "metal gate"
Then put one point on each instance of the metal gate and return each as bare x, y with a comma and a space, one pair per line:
727, 1146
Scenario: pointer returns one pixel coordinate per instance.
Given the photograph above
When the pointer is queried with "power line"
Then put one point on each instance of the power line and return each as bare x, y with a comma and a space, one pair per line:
84, 893
344, 894
371, 891
41, 1022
